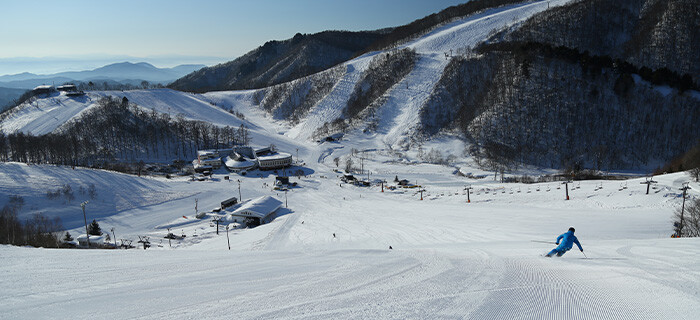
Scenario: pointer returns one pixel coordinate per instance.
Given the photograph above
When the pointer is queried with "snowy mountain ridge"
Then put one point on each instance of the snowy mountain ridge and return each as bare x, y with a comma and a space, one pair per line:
431, 48
432, 102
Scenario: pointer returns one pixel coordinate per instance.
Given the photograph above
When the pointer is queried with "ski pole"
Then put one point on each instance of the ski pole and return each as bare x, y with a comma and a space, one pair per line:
584, 254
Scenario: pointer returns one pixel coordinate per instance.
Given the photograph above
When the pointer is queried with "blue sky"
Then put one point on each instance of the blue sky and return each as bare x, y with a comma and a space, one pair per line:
186, 29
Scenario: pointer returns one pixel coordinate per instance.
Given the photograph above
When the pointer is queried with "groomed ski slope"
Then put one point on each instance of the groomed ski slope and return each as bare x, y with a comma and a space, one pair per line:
44, 115
450, 259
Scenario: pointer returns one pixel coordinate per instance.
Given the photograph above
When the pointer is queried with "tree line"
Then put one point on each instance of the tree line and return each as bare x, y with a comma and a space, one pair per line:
593, 64
292, 100
559, 108
384, 71
37, 231
652, 33
118, 131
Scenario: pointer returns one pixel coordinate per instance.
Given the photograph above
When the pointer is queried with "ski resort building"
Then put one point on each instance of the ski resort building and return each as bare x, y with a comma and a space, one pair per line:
257, 211
95, 241
67, 88
206, 160
269, 159
245, 158
241, 159
44, 89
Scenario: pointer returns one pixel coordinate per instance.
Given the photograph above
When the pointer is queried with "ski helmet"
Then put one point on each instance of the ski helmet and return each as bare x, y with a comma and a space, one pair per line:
572, 229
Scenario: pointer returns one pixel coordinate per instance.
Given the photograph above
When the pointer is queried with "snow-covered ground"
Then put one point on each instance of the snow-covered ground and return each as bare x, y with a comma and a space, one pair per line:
327, 255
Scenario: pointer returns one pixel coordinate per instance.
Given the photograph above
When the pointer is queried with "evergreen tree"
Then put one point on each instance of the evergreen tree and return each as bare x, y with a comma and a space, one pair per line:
68, 237
94, 229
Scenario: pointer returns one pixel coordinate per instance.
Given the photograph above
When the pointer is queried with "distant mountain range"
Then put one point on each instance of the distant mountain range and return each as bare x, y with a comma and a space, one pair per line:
7, 97
123, 72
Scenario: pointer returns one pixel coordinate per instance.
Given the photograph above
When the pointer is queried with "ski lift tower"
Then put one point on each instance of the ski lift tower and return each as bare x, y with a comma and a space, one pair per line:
685, 191
566, 184
217, 221
87, 233
648, 182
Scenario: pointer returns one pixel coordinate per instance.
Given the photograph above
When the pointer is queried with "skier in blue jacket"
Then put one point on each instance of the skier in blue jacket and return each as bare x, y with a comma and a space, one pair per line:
567, 242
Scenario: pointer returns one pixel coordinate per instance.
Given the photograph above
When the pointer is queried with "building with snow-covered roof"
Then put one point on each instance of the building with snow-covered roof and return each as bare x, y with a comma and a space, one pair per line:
206, 160
244, 158
269, 159
95, 241
42, 89
241, 159
67, 88
257, 211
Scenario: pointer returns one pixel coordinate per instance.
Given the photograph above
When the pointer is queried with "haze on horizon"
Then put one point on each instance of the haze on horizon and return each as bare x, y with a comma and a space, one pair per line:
49, 36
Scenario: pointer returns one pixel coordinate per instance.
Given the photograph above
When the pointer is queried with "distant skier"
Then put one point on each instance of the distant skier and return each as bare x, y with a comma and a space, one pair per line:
567, 242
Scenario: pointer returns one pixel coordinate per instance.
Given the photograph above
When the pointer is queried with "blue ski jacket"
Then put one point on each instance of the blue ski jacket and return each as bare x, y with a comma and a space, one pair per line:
568, 240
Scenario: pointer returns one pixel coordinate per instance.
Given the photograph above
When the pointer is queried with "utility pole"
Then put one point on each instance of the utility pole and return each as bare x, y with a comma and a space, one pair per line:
685, 191
297, 155
196, 203
239, 190
648, 182
87, 234
227, 239
285, 198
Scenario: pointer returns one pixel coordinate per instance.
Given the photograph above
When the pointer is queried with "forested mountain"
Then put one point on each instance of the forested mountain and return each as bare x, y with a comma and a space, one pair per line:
558, 108
601, 84
648, 33
116, 130
280, 61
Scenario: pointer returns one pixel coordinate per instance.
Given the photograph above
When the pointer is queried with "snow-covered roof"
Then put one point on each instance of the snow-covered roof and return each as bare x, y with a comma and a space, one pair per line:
245, 164
207, 153
245, 151
275, 156
93, 238
43, 87
258, 208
